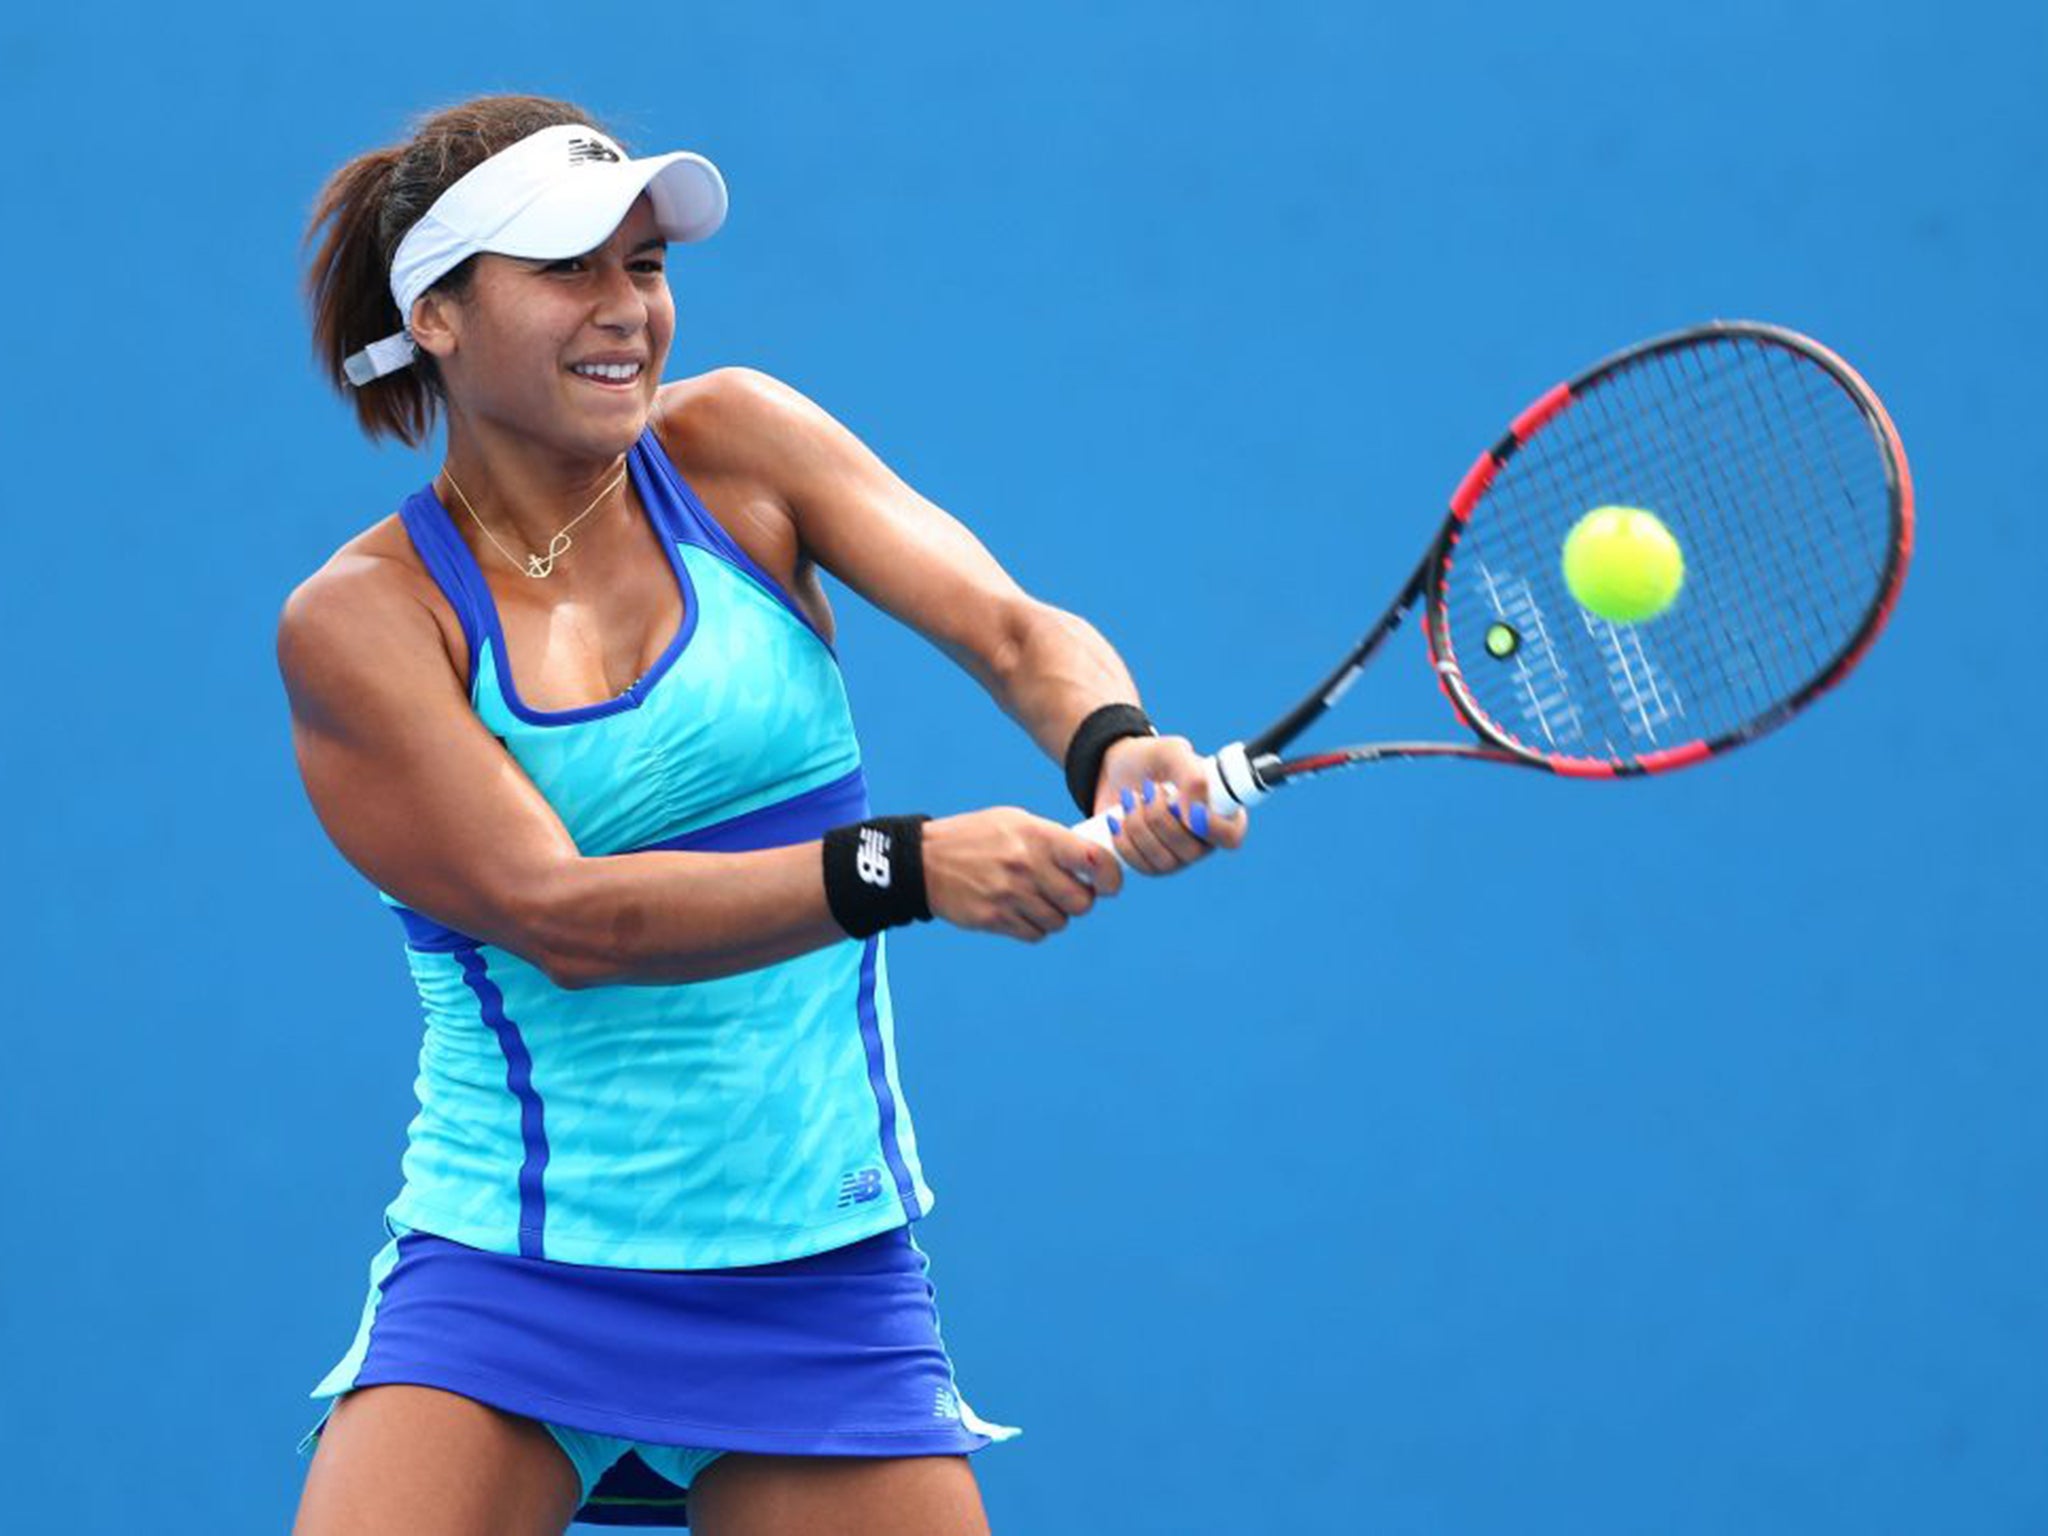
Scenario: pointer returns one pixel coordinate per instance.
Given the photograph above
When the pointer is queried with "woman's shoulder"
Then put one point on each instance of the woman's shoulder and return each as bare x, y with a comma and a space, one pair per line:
735, 387
374, 576
376, 565
725, 419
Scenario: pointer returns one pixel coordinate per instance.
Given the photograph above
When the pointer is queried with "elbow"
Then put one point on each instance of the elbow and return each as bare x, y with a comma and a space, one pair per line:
1015, 638
574, 964
574, 973
564, 935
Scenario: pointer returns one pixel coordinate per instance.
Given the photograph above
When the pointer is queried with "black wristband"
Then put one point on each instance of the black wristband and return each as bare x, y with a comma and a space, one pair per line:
1092, 739
874, 874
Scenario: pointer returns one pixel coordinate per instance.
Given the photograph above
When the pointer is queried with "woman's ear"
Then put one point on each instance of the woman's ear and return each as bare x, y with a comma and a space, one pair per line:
434, 328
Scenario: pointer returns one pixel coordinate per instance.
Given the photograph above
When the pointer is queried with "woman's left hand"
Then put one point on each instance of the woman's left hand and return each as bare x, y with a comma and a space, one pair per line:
1154, 784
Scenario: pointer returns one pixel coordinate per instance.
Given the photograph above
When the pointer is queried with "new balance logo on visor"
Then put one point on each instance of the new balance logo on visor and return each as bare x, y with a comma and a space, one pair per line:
871, 860
589, 149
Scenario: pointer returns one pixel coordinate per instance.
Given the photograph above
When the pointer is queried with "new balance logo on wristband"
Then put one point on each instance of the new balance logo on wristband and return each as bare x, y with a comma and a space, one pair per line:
871, 861
874, 874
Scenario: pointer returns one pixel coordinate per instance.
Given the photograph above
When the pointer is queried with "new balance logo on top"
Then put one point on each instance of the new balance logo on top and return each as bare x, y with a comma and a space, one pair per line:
946, 1405
871, 860
860, 1186
589, 149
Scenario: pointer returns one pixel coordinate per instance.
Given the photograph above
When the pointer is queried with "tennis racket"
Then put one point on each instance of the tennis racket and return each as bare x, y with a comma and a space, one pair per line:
1783, 481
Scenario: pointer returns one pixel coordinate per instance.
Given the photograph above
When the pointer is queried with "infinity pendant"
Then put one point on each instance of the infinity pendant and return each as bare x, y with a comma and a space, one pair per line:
544, 565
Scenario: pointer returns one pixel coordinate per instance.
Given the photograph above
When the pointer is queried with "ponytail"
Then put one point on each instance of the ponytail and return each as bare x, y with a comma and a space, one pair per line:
358, 219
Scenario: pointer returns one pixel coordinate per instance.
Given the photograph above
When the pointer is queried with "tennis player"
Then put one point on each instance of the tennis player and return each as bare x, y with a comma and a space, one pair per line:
575, 710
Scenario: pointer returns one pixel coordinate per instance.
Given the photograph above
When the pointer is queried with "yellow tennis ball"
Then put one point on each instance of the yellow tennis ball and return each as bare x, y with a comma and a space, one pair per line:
1622, 564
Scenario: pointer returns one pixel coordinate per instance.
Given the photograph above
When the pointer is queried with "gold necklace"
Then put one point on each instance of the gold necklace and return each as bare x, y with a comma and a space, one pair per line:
538, 565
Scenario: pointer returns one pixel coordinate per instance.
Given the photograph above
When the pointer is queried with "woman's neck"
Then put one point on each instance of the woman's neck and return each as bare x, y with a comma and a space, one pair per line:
526, 493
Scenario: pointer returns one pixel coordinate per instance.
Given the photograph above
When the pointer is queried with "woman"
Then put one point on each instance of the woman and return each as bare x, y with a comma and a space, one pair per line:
575, 711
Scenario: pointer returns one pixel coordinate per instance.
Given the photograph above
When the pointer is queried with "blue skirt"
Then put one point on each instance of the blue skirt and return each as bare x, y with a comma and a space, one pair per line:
837, 1354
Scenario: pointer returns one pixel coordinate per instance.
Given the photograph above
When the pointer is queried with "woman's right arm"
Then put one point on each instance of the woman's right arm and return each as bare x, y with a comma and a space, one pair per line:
426, 803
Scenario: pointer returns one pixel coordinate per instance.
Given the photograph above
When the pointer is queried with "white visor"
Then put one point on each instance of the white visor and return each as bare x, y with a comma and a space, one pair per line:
559, 192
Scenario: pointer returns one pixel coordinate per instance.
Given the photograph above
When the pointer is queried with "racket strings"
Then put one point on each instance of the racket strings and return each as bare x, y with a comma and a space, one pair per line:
1749, 468
1741, 566
1655, 440
1828, 579
1776, 487
1769, 651
1585, 660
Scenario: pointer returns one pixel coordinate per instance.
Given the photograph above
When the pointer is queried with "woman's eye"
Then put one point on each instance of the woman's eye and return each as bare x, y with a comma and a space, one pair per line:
575, 264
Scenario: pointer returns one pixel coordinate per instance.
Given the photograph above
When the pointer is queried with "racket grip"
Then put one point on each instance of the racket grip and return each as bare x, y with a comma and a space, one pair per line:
1232, 789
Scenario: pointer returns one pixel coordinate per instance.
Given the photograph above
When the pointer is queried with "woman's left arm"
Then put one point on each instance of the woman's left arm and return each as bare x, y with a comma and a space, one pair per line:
1048, 669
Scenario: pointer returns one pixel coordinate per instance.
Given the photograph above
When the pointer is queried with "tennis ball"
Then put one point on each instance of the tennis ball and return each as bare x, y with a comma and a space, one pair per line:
1622, 564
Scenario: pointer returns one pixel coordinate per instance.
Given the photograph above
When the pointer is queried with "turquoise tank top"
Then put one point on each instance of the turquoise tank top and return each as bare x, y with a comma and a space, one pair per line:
702, 1125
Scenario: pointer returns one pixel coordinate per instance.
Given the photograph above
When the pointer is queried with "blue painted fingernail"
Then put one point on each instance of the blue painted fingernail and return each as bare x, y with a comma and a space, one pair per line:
1148, 791
1198, 819
1116, 825
1173, 810
1130, 804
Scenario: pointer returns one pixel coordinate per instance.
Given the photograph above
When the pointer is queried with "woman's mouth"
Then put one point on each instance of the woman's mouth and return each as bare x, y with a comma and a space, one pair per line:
619, 376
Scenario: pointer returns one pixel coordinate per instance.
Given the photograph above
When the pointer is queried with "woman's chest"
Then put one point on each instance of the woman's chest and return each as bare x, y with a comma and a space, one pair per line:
744, 706
570, 649
573, 645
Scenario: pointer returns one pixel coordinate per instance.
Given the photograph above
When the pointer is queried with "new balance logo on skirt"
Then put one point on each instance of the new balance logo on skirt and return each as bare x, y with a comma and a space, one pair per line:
871, 859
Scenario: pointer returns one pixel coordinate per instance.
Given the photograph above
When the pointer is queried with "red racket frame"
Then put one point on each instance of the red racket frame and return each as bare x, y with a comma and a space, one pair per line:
1428, 586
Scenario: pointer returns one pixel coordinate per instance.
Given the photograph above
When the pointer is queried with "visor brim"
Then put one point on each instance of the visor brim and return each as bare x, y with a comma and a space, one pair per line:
579, 213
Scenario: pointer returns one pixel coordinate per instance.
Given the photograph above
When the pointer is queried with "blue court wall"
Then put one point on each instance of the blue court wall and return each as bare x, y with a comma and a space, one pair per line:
1474, 1153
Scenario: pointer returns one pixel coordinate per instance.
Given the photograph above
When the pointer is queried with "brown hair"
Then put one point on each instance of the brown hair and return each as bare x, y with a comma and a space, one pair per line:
367, 206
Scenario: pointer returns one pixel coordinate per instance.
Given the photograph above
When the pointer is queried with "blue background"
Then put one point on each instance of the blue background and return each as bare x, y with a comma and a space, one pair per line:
1476, 1152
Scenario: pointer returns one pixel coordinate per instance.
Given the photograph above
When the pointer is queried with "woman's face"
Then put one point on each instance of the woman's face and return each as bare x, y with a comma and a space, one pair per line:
511, 348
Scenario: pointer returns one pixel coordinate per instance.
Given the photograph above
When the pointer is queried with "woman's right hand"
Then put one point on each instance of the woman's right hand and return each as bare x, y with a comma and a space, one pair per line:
1007, 871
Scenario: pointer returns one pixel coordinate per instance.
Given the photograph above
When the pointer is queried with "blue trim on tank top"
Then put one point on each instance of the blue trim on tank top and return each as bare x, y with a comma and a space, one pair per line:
437, 542
710, 534
795, 820
533, 1136
878, 1081
429, 937
676, 513
634, 694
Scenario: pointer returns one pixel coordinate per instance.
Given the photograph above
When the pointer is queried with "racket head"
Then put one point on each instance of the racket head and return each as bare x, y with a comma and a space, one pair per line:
1784, 482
